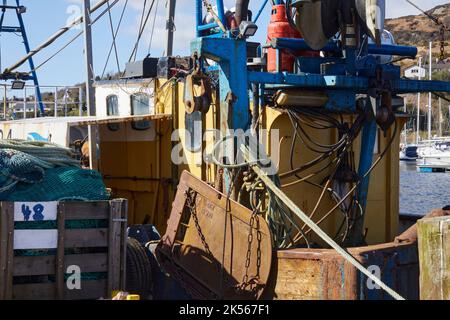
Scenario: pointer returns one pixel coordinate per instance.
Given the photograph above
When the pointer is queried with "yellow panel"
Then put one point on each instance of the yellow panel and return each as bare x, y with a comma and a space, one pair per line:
383, 204
152, 160
150, 163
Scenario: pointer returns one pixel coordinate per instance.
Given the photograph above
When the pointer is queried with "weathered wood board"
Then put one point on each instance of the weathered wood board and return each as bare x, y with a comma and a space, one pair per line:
42, 245
434, 257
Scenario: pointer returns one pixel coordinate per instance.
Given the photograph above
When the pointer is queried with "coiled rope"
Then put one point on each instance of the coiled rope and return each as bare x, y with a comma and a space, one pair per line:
26, 161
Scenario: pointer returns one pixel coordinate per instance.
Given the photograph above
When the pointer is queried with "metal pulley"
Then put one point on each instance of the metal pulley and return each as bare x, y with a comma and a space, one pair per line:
197, 93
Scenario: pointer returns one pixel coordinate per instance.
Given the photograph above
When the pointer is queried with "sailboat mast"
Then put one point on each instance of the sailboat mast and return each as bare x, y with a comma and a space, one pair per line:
418, 104
440, 117
170, 26
429, 94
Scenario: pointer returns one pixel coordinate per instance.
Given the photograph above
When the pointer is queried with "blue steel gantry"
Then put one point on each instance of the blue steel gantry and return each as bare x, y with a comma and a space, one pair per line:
32, 75
351, 72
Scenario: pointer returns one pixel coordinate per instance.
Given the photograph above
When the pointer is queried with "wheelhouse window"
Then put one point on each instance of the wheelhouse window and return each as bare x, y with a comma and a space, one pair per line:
112, 109
140, 105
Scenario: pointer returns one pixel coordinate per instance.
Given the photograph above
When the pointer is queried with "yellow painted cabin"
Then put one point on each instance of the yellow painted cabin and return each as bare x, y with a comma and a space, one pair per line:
137, 163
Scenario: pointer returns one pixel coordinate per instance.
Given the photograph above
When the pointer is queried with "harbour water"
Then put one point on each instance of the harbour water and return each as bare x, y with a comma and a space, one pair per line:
422, 192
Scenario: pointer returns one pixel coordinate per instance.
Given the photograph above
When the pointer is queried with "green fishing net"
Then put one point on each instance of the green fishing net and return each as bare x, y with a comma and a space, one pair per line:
41, 171
61, 183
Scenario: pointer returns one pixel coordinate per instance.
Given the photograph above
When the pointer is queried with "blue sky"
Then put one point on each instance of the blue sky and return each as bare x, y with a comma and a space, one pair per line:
44, 17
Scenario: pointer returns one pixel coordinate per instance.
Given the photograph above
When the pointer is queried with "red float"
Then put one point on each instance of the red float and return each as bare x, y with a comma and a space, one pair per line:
279, 27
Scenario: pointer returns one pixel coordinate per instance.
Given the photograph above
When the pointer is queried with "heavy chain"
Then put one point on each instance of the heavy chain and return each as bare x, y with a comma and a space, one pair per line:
253, 282
249, 284
190, 203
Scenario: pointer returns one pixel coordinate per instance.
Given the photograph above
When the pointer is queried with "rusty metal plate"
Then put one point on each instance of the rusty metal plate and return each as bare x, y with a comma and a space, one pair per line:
323, 274
208, 248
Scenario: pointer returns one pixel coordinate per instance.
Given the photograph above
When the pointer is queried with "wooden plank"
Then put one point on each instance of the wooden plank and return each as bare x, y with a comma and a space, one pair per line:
46, 291
91, 262
86, 238
123, 251
89, 290
434, 258
35, 211
45, 265
3, 249
87, 210
9, 212
35, 239
60, 271
34, 291
114, 246
34, 266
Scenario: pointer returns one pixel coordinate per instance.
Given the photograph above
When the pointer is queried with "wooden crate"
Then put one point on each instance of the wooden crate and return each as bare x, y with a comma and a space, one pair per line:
41, 244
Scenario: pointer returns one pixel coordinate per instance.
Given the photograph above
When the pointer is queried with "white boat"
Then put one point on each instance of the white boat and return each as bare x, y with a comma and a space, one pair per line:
435, 157
409, 153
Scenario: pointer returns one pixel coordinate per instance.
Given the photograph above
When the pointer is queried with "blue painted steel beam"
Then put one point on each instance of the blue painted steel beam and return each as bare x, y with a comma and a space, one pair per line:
313, 81
221, 11
414, 86
30, 61
15, 77
301, 45
231, 56
199, 17
260, 11
368, 139
9, 7
394, 50
357, 84
10, 29
208, 26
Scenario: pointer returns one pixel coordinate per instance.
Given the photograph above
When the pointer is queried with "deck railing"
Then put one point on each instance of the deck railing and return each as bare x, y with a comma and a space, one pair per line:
58, 101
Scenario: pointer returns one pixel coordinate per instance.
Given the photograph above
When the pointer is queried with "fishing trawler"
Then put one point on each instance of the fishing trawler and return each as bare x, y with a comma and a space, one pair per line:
324, 175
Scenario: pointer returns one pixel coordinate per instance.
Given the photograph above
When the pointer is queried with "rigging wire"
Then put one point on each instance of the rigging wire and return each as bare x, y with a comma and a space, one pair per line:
140, 27
440, 23
1, 26
153, 28
115, 37
74, 38
141, 31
